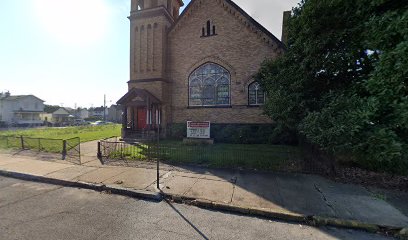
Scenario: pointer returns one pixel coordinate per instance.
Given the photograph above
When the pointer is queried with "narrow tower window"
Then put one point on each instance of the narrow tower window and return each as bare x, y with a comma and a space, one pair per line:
140, 5
208, 30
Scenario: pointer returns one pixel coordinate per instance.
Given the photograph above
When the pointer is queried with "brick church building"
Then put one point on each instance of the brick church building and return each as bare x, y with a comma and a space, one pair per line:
197, 66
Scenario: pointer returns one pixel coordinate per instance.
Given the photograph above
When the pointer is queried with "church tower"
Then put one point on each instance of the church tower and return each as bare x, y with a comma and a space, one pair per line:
147, 104
149, 21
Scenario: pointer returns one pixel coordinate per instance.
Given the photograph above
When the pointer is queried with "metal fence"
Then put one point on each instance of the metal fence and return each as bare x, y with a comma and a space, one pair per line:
69, 149
259, 156
112, 150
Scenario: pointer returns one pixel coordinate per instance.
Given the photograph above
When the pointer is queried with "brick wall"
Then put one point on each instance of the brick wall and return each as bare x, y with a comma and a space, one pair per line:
168, 59
239, 47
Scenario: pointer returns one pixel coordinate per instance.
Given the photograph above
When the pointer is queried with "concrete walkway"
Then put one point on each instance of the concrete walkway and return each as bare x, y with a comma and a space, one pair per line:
297, 195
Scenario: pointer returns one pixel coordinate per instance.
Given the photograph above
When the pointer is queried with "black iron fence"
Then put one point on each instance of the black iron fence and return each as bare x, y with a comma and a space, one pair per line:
69, 149
246, 156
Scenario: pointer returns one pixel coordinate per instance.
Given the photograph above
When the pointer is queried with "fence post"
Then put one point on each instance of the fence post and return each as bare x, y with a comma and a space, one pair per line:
99, 154
39, 144
22, 142
7, 145
158, 156
79, 150
64, 149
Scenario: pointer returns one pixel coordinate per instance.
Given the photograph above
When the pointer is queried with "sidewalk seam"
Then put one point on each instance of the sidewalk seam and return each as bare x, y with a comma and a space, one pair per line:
58, 170
233, 192
184, 193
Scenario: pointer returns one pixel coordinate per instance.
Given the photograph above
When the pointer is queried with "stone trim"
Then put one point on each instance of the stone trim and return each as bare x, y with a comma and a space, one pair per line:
151, 12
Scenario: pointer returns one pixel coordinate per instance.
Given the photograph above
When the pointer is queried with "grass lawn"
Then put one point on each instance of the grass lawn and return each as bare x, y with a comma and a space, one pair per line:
247, 156
85, 133
50, 139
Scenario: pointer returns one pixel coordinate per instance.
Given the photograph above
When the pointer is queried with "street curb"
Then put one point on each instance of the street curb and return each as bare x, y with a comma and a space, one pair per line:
344, 223
152, 196
398, 232
311, 220
259, 212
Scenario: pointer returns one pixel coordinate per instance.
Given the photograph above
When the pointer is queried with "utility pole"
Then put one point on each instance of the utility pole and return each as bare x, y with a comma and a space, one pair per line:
104, 107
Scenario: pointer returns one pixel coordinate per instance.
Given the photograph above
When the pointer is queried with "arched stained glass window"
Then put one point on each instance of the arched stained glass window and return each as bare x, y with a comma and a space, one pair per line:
209, 85
256, 95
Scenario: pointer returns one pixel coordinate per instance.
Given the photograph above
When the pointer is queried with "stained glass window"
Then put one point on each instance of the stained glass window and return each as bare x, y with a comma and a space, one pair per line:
209, 85
256, 95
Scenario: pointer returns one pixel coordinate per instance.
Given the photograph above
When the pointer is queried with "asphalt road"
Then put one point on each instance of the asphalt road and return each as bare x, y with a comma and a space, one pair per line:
30, 210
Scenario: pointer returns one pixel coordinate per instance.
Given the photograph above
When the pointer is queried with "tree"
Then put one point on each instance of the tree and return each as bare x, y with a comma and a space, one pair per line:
342, 84
50, 108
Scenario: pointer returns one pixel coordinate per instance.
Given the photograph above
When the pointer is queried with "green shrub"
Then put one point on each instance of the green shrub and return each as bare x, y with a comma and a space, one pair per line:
342, 82
240, 133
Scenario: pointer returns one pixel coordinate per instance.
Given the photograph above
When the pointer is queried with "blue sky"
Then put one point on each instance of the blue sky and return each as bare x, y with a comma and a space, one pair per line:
71, 55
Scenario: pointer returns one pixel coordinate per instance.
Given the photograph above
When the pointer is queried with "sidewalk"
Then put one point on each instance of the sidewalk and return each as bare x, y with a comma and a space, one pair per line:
287, 196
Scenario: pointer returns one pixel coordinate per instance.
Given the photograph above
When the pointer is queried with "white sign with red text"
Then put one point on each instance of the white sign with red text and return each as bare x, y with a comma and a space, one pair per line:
198, 129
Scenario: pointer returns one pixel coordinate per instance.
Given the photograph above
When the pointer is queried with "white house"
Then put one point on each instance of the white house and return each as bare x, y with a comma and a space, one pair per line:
114, 114
98, 112
63, 116
82, 113
21, 110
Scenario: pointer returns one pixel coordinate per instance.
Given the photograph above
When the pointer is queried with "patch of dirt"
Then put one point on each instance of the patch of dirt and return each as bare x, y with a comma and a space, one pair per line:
370, 179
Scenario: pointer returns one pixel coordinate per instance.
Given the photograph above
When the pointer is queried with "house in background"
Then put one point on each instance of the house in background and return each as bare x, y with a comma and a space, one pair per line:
82, 113
21, 110
63, 116
46, 118
98, 112
114, 114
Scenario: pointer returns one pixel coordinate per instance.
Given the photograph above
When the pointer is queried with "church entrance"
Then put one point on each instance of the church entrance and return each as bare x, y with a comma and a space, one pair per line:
141, 118
141, 113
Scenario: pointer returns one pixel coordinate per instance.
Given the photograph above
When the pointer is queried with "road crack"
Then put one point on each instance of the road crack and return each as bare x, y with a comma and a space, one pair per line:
324, 198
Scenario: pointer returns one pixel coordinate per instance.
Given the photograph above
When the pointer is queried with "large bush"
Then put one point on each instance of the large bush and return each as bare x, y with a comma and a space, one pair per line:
343, 82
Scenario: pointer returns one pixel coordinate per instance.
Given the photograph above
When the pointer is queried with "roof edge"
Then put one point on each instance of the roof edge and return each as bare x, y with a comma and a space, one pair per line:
240, 10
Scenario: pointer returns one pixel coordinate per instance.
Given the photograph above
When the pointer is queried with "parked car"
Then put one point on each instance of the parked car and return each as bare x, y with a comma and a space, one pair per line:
98, 123
78, 122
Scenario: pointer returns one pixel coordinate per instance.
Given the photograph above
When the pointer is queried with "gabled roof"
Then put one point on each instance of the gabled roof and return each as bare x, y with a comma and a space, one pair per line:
61, 111
240, 10
18, 97
137, 93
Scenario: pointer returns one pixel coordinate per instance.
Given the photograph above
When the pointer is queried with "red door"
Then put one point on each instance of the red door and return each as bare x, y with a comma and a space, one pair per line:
141, 118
